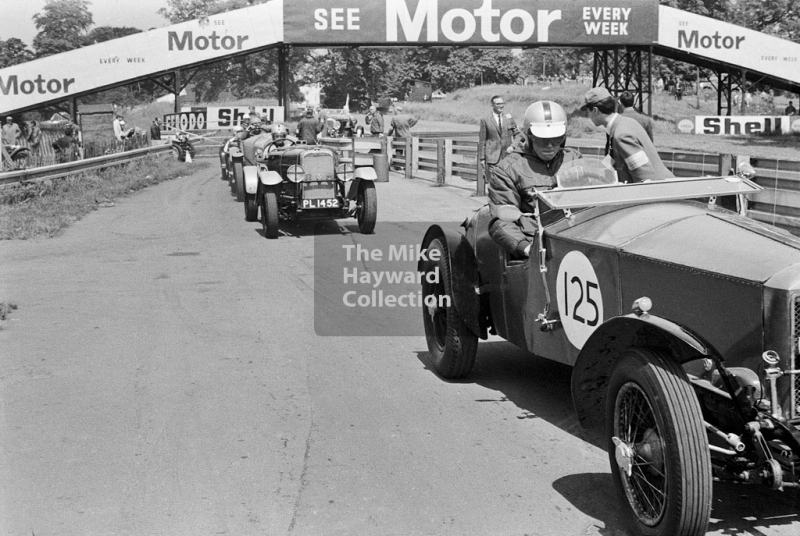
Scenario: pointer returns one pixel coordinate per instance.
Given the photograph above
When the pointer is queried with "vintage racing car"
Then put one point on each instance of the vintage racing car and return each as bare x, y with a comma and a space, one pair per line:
238, 152
681, 320
295, 181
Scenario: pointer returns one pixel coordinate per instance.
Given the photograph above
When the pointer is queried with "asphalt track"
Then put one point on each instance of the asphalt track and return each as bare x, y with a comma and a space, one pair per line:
164, 375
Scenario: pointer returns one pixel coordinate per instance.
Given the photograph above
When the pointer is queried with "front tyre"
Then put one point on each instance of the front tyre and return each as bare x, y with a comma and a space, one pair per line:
366, 207
657, 446
178, 152
450, 342
238, 179
269, 213
250, 207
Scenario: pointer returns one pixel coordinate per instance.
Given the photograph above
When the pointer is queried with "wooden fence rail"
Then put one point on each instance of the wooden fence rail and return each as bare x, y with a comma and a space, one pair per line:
447, 155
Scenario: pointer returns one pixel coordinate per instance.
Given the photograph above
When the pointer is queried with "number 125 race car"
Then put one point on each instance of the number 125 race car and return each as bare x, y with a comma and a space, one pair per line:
681, 320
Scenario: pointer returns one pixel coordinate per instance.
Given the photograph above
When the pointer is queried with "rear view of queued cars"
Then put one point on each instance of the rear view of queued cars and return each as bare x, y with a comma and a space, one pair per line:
280, 179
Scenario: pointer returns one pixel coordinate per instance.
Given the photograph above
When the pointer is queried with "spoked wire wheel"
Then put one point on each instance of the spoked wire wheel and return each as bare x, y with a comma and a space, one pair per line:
639, 446
657, 444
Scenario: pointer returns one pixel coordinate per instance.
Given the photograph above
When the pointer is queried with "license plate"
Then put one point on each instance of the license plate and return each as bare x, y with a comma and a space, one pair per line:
320, 203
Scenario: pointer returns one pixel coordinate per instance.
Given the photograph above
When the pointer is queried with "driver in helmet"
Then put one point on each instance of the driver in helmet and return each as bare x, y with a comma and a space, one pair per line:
532, 165
280, 135
238, 135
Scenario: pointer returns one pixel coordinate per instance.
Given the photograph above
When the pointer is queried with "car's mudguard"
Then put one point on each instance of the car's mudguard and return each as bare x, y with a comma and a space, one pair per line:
269, 178
366, 173
596, 359
235, 151
251, 179
464, 272
362, 173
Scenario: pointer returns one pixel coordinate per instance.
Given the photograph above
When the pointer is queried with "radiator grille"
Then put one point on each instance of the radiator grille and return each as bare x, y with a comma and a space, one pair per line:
319, 190
318, 166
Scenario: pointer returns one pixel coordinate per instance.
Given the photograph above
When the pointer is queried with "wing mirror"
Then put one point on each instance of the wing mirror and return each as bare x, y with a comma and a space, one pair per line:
745, 170
510, 213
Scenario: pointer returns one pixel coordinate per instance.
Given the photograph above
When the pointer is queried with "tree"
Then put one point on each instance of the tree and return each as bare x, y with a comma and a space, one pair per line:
101, 34
62, 26
13, 52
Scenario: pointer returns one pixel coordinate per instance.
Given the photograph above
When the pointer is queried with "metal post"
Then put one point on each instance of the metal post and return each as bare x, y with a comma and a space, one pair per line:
176, 84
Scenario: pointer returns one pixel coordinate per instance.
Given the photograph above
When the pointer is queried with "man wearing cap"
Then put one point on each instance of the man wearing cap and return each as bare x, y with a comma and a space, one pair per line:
308, 128
495, 135
401, 127
634, 156
11, 131
531, 166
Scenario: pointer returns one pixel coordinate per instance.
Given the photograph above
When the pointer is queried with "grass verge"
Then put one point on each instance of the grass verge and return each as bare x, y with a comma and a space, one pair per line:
46, 208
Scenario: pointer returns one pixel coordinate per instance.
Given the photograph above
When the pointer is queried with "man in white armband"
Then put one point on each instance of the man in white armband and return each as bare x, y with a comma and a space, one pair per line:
632, 152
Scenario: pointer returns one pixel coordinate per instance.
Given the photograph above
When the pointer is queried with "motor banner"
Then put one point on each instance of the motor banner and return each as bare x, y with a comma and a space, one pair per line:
472, 22
729, 43
135, 56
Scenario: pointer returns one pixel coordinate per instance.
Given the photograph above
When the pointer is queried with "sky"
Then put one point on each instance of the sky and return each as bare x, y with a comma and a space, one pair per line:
16, 16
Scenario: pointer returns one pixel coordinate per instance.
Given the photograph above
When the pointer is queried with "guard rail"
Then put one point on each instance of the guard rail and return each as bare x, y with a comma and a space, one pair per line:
58, 171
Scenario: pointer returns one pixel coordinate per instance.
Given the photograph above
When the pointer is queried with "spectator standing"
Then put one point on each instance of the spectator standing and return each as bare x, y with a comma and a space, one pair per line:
634, 156
375, 121
790, 110
66, 147
120, 132
155, 130
253, 115
627, 99
401, 127
495, 135
11, 131
35, 137
401, 124
308, 128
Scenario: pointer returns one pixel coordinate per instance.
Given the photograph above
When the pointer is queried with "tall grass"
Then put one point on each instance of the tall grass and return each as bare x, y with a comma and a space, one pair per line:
46, 208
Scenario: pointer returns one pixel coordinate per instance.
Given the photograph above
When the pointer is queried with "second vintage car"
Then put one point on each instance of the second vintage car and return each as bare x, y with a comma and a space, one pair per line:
292, 181
681, 321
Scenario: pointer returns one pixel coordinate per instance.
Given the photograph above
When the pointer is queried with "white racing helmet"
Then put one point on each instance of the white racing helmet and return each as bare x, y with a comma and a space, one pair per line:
279, 130
545, 119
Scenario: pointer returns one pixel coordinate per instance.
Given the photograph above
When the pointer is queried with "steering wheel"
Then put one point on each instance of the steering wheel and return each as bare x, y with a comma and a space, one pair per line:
279, 144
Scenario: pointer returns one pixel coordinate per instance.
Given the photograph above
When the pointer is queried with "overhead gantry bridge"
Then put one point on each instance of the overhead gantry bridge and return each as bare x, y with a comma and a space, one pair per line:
624, 35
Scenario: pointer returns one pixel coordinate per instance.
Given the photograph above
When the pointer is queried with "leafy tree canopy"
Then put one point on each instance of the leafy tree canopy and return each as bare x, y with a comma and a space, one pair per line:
13, 51
107, 33
62, 26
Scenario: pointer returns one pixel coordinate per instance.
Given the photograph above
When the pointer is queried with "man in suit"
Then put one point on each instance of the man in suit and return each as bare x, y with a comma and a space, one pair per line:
375, 121
634, 156
495, 136
626, 99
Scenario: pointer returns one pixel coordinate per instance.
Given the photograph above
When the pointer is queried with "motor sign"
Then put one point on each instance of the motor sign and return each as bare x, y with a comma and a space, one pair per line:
478, 22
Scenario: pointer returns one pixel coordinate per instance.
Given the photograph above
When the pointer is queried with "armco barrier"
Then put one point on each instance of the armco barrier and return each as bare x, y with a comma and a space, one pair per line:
69, 168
